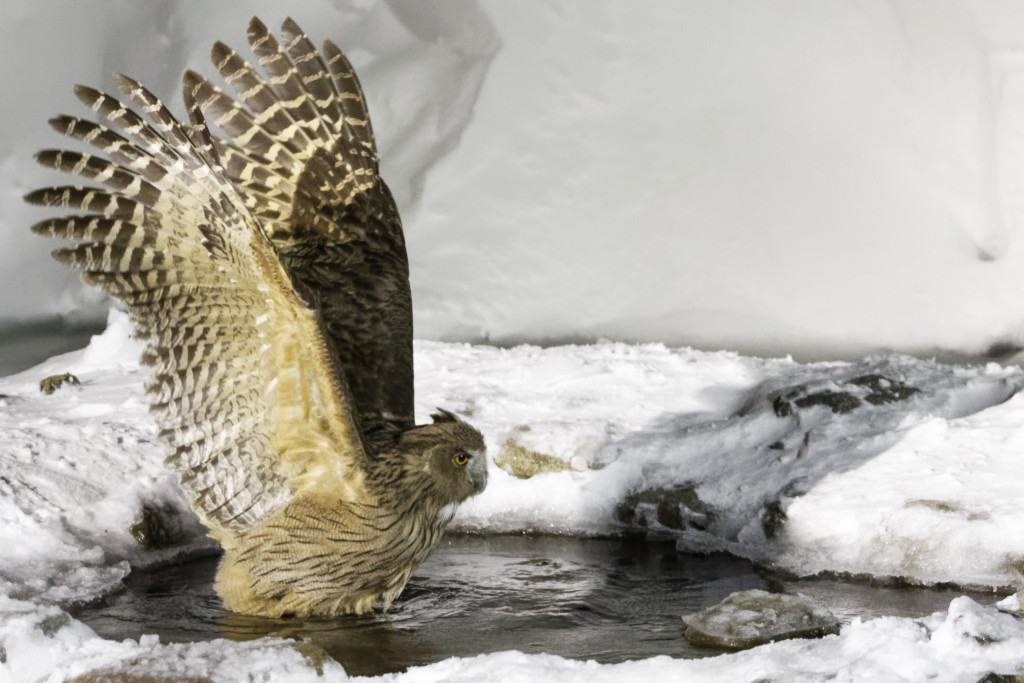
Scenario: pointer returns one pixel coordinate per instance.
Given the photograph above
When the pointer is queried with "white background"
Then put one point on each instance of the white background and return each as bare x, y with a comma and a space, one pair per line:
775, 177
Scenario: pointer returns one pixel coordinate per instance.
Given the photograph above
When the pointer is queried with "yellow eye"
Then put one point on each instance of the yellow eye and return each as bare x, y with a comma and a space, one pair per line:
461, 459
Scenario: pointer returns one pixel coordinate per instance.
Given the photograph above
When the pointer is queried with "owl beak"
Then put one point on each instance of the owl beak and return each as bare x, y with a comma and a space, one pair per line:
478, 474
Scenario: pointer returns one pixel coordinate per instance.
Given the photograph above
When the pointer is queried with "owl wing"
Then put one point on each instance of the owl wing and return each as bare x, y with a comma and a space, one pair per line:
240, 381
301, 152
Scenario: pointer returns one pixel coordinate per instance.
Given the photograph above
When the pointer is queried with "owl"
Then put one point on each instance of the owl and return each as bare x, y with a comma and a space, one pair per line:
262, 262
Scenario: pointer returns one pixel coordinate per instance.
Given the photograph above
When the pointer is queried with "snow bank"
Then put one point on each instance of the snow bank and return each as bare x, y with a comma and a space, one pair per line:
693, 444
815, 179
915, 475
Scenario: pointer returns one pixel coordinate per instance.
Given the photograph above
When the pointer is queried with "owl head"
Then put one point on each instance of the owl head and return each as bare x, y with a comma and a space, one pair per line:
451, 453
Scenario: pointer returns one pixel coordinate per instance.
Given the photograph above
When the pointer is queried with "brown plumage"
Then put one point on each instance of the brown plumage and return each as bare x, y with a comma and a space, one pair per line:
266, 274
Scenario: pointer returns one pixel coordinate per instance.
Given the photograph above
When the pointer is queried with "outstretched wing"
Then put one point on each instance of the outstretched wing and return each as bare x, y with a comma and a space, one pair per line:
241, 384
303, 156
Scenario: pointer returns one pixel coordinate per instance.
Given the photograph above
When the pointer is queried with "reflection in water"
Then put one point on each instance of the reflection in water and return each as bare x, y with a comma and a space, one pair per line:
608, 600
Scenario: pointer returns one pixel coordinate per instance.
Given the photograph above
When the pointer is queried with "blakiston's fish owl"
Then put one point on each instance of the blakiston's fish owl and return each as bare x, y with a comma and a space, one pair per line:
266, 275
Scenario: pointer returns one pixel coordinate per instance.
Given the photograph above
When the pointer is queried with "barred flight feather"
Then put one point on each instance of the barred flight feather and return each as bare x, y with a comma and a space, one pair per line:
300, 150
207, 295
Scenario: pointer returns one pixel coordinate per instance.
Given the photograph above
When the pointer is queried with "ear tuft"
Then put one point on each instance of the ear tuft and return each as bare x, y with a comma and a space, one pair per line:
443, 415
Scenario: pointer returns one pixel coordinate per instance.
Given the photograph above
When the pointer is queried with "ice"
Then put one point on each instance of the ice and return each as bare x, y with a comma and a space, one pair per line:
888, 467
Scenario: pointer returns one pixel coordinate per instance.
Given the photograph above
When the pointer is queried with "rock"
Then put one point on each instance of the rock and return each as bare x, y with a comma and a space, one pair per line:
1001, 678
773, 518
884, 389
55, 382
837, 401
523, 463
674, 508
755, 617
839, 394
158, 527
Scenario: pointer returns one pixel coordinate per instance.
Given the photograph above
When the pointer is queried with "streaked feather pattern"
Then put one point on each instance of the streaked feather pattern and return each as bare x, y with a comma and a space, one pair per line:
227, 340
302, 154
267, 278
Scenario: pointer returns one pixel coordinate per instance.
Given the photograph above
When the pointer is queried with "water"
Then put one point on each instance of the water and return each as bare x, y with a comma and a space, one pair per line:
25, 345
607, 600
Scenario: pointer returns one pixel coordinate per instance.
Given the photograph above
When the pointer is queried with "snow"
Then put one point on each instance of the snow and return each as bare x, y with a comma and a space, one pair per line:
820, 179
925, 488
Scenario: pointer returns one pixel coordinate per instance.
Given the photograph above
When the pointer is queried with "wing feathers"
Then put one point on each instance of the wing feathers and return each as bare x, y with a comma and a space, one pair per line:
237, 361
315, 78
293, 100
351, 98
302, 154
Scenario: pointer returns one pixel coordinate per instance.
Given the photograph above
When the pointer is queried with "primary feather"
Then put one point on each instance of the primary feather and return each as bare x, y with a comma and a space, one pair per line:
266, 275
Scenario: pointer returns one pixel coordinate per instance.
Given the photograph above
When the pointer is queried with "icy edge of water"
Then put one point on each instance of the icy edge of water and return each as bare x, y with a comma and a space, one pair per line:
961, 644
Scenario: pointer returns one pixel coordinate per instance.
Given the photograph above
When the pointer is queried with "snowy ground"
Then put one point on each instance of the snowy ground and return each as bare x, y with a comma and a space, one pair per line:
891, 467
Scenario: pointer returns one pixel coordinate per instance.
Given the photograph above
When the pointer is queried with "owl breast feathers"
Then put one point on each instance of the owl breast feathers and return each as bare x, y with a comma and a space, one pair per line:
265, 273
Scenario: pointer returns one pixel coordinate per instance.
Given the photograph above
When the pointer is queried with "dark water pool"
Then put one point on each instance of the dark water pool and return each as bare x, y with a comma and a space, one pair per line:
25, 345
608, 600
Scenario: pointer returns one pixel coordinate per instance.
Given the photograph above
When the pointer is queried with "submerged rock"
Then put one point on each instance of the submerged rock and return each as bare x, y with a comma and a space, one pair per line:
755, 617
674, 508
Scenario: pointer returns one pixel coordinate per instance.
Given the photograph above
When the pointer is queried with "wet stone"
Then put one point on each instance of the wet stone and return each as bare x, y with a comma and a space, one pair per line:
884, 389
158, 527
781, 407
837, 401
773, 518
50, 625
846, 396
755, 617
675, 508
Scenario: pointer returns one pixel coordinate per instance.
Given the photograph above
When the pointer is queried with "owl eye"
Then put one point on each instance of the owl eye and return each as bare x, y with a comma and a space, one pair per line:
461, 459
